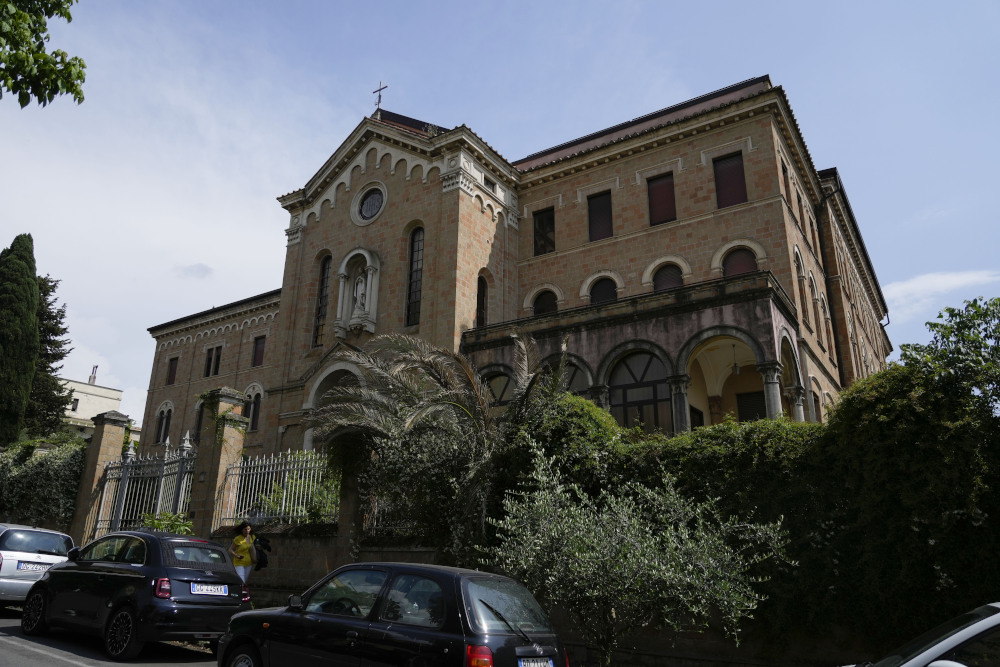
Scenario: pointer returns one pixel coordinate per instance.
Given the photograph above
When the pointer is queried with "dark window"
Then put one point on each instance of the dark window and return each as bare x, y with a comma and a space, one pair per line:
172, 371
802, 219
350, 593
784, 177
816, 407
199, 418
258, 351
482, 301
638, 392
545, 231
599, 215
545, 302
322, 301
730, 184
739, 261
662, 207
163, 425
212, 357
371, 204
751, 406
501, 387
76, 404
603, 291
697, 417
416, 277
667, 276
490, 185
251, 410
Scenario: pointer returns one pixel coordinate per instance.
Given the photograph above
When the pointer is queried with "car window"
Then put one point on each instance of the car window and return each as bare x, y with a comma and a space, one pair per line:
503, 605
135, 552
350, 593
983, 650
35, 542
934, 636
103, 550
415, 600
191, 555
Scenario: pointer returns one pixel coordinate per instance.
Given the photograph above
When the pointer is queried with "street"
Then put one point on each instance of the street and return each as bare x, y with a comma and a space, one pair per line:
64, 648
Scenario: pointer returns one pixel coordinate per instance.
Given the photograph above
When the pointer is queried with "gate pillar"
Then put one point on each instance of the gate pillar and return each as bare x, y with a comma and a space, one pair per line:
105, 446
221, 444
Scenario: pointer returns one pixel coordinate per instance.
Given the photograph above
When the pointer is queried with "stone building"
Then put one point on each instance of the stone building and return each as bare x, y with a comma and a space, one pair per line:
693, 260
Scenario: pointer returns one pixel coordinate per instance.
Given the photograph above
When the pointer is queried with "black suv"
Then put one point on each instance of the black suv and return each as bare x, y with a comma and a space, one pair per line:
135, 586
383, 614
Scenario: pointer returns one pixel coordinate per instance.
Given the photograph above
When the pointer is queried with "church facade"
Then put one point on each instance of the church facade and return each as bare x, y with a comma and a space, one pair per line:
693, 261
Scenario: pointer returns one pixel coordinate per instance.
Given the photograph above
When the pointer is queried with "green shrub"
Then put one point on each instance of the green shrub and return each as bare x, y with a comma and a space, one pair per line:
39, 487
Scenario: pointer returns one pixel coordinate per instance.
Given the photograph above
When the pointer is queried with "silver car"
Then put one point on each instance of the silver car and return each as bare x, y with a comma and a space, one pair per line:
25, 553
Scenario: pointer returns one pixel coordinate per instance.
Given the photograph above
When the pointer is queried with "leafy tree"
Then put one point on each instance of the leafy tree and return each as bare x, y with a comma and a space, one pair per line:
636, 557
39, 487
965, 350
49, 397
416, 401
18, 333
26, 68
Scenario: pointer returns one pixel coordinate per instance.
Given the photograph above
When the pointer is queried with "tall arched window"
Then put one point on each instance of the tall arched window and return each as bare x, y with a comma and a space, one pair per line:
163, 424
740, 260
603, 291
666, 277
801, 277
482, 302
416, 277
545, 302
322, 301
251, 410
638, 392
815, 307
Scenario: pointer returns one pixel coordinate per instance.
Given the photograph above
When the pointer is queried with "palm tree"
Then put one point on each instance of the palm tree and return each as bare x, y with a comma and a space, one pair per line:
429, 406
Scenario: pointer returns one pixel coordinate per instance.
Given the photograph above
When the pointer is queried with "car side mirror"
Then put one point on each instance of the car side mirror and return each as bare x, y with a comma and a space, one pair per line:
295, 603
73, 554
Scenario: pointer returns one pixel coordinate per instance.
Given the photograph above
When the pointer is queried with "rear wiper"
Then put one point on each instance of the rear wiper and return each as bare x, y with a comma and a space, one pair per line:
496, 613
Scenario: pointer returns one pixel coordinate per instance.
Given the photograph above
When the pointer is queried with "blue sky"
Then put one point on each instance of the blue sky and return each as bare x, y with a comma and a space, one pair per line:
155, 198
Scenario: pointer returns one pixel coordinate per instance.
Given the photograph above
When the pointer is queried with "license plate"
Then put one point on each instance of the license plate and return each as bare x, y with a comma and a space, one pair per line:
535, 662
209, 589
33, 567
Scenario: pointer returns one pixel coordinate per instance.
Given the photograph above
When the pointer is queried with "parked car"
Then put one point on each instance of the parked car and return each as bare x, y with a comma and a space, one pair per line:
384, 614
25, 553
133, 587
969, 640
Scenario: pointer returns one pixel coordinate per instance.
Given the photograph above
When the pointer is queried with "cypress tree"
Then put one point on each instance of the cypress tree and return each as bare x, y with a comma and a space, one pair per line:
49, 397
18, 333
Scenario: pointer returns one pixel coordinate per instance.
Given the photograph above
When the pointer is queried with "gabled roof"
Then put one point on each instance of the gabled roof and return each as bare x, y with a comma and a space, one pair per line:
406, 123
672, 114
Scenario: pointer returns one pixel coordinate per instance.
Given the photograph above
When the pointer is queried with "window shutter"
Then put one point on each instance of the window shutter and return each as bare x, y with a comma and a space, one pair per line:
730, 184
599, 210
662, 207
739, 261
604, 291
545, 303
667, 277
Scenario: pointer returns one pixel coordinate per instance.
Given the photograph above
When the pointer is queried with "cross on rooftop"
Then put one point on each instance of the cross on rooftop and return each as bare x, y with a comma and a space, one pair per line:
378, 91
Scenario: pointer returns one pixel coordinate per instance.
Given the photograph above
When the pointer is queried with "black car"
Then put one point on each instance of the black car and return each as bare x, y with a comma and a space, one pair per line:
382, 614
133, 587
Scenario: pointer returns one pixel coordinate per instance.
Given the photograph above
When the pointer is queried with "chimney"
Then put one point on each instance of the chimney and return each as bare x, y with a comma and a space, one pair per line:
93, 376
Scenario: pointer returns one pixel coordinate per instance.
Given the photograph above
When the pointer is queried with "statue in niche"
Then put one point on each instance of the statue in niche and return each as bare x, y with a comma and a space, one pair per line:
360, 290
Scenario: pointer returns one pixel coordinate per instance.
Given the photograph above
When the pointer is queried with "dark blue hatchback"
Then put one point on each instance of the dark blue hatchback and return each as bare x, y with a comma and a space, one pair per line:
133, 587
398, 614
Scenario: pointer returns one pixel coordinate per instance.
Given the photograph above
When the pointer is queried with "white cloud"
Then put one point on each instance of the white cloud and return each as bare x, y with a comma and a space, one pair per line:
922, 296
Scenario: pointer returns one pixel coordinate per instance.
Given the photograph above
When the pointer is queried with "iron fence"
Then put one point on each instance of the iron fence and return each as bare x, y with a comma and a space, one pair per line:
291, 487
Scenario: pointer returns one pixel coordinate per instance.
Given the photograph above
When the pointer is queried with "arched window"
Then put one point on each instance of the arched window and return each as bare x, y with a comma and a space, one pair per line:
416, 277
501, 386
604, 291
815, 307
322, 301
545, 302
198, 421
163, 424
666, 277
482, 302
638, 392
801, 277
251, 410
740, 260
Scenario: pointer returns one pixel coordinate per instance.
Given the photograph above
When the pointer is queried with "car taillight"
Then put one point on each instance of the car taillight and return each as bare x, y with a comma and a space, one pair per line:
478, 656
566, 654
245, 593
162, 589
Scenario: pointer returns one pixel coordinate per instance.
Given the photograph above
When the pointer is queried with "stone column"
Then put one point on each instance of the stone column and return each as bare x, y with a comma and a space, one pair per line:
794, 395
105, 446
679, 402
771, 373
223, 430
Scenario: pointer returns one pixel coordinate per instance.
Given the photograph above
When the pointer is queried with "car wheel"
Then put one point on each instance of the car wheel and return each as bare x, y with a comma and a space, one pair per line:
121, 635
244, 655
33, 614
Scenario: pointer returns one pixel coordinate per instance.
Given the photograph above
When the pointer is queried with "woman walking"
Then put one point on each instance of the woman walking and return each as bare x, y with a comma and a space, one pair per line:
242, 550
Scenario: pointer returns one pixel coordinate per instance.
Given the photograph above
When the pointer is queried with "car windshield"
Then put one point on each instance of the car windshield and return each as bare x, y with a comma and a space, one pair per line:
504, 606
916, 646
35, 542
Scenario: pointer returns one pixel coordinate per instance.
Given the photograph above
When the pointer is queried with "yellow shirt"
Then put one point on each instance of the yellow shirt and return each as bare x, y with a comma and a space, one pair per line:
242, 548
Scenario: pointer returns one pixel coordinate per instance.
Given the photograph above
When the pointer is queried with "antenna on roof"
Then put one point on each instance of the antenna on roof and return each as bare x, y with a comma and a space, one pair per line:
378, 102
